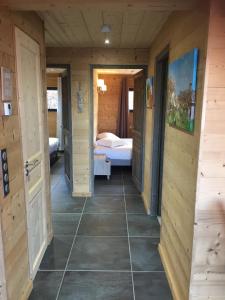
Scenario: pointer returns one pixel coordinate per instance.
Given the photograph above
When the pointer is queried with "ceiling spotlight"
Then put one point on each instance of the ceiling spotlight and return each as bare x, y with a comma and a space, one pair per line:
107, 41
105, 28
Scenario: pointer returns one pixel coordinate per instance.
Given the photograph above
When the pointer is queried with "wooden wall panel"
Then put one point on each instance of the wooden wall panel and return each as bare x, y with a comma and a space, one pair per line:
13, 208
182, 32
108, 105
52, 80
52, 123
208, 269
80, 61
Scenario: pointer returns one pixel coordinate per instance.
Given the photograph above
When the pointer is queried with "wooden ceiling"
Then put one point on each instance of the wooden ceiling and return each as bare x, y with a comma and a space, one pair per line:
77, 23
83, 28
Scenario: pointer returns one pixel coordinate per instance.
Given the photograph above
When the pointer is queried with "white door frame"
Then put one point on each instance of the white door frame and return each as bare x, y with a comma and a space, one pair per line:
40, 88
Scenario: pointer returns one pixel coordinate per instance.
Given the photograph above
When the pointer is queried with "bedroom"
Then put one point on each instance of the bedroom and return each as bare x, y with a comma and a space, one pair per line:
118, 107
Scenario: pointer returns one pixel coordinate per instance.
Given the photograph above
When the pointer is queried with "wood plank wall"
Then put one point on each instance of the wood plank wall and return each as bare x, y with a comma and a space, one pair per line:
52, 82
13, 209
108, 109
182, 32
208, 264
52, 123
80, 61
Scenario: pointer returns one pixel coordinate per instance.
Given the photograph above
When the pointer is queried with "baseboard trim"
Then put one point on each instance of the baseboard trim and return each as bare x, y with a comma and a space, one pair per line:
169, 273
50, 236
146, 209
145, 205
27, 291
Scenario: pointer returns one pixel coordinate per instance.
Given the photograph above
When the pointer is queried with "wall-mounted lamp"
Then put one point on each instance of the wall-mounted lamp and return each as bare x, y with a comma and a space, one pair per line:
101, 86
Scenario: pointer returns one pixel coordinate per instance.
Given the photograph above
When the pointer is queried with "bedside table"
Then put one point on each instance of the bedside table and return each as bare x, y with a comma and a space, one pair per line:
102, 165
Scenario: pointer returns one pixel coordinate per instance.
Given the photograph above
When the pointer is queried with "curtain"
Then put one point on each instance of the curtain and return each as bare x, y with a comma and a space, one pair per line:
122, 124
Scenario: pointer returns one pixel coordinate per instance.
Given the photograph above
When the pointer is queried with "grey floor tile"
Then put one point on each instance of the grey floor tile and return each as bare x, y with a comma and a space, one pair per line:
151, 286
143, 225
65, 224
61, 196
117, 170
103, 225
134, 204
67, 204
145, 255
55, 179
100, 253
58, 167
105, 204
130, 189
98, 247
57, 253
96, 286
114, 179
113, 189
128, 180
46, 285
62, 187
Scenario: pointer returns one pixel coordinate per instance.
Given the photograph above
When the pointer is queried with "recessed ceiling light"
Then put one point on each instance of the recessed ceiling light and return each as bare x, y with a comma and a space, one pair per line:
107, 41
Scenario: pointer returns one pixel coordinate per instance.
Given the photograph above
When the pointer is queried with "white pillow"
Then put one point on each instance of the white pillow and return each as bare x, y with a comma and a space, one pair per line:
107, 135
111, 143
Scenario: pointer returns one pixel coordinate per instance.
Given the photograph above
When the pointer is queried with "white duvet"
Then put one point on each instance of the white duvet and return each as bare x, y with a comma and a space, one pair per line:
121, 152
53, 144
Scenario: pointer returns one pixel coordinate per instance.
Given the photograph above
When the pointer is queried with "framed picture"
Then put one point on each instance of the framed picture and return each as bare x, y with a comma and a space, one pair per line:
6, 84
182, 80
149, 92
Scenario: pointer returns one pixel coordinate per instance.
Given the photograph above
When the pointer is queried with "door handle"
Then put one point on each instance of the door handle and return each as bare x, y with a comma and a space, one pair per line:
30, 164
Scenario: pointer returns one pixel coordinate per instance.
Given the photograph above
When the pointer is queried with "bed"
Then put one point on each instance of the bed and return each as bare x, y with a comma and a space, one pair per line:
119, 156
53, 148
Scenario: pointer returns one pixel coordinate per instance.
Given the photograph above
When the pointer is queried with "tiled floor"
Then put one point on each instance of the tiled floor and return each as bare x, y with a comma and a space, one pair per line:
103, 248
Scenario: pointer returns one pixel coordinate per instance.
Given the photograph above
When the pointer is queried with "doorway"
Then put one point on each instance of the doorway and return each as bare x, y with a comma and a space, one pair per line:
159, 118
59, 118
103, 119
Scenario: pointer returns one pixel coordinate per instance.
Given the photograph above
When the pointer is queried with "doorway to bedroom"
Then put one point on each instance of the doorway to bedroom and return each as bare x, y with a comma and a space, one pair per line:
118, 95
60, 138
59, 118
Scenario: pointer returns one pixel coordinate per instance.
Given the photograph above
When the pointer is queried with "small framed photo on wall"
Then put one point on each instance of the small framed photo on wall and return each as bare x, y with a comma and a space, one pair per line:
149, 92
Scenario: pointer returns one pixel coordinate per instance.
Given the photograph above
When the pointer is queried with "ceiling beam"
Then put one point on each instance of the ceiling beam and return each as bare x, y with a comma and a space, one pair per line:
123, 5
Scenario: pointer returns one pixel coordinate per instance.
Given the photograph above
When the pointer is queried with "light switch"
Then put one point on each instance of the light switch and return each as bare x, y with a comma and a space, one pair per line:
4, 172
7, 108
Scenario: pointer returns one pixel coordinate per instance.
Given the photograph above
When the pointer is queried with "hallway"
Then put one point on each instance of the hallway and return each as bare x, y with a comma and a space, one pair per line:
104, 247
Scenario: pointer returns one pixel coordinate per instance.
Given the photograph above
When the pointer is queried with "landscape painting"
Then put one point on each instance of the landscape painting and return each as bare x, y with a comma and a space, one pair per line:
182, 79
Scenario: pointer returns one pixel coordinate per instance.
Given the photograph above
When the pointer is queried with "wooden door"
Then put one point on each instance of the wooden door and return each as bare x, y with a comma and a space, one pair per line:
30, 106
138, 129
67, 125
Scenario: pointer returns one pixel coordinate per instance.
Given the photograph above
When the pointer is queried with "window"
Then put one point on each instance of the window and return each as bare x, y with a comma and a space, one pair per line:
131, 99
52, 98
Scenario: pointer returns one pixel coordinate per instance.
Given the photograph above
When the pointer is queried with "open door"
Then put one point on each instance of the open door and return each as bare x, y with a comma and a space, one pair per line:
138, 129
30, 106
67, 125
159, 131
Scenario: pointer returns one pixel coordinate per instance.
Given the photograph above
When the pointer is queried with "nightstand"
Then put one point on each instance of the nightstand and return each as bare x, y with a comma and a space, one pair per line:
102, 165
